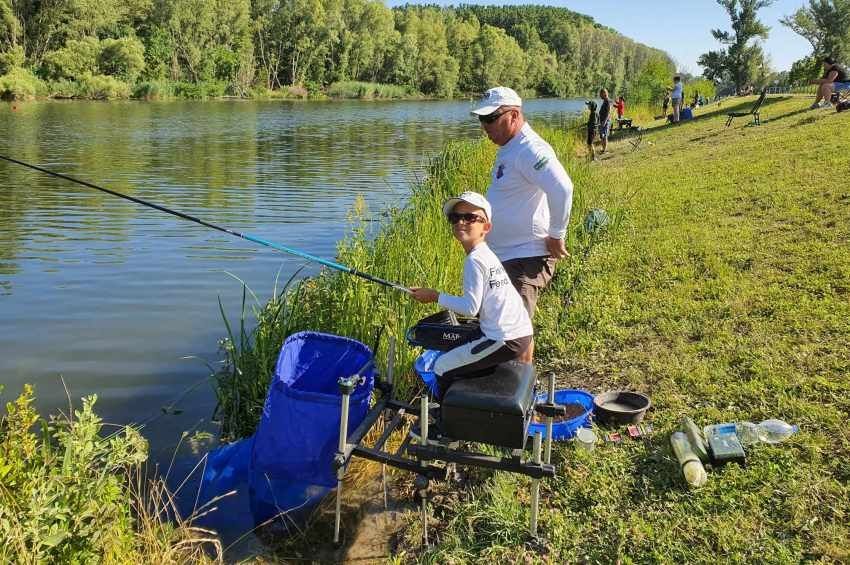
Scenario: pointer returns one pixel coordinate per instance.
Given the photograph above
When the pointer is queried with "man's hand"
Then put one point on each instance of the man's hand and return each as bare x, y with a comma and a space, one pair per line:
556, 248
424, 295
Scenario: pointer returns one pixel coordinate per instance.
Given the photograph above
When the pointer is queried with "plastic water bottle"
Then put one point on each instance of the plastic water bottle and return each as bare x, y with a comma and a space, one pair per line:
747, 432
691, 465
770, 431
774, 431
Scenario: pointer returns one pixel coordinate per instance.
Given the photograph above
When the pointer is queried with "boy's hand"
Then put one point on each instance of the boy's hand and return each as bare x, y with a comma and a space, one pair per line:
424, 295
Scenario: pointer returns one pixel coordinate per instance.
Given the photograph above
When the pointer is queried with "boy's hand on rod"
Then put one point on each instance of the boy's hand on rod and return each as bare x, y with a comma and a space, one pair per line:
424, 295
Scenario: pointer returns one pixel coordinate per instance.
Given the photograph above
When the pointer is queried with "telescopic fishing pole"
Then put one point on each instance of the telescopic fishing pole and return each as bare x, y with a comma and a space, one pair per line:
259, 240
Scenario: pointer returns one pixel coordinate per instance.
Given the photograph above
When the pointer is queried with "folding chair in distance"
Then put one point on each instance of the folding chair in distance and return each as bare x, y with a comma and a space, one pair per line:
754, 111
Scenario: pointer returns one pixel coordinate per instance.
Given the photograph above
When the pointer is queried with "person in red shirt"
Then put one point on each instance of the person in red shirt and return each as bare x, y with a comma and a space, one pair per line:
620, 105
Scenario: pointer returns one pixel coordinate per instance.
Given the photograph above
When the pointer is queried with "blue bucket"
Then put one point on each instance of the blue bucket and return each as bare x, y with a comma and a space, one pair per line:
566, 429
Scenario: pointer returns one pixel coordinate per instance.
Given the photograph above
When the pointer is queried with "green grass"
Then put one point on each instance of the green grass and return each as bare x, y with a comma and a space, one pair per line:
724, 296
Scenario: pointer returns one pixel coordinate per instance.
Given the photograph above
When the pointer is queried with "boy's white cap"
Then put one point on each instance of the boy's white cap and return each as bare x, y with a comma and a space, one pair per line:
494, 98
469, 197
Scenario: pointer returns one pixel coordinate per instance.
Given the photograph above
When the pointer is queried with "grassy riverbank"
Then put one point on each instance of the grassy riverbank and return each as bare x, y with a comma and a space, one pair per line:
722, 292
724, 296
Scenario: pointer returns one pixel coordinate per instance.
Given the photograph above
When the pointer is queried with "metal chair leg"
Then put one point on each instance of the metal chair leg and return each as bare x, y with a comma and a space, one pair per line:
535, 486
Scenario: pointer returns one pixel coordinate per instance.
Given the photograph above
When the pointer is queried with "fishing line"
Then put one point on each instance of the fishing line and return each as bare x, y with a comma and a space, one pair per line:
248, 237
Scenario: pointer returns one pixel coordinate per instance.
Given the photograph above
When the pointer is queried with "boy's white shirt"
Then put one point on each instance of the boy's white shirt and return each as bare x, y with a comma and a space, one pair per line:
531, 195
489, 294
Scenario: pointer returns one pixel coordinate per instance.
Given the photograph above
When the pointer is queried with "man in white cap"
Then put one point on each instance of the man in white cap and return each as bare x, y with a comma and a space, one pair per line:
531, 196
487, 293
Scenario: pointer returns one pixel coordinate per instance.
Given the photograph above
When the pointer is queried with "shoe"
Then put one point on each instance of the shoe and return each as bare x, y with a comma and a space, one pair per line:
826, 104
814, 106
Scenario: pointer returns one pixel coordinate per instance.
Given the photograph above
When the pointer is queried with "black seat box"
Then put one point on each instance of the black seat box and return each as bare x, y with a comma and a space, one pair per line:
492, 409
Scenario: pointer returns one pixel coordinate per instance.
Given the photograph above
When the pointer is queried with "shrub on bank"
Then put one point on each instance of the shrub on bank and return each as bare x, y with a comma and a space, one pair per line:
154, 90
69, 494
200, 90
369, 90
102, 87
20, 84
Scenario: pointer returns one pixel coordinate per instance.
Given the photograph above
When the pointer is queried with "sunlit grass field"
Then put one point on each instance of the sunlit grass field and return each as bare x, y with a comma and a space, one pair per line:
724, 295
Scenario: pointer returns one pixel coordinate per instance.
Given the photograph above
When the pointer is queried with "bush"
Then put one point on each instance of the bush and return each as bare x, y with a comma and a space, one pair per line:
20, 84
70, 495
368, 90
154, 90
102, 87
200, 90
77, 58
11, 59
123, 58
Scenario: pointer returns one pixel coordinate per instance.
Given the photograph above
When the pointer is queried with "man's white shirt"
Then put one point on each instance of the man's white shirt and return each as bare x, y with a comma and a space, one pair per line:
531, 195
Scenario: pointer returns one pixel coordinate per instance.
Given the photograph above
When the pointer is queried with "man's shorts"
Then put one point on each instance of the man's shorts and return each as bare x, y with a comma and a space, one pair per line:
604, 129
529, 276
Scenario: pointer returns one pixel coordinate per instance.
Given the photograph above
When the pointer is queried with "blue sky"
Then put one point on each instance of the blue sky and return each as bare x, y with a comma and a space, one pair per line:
685, 35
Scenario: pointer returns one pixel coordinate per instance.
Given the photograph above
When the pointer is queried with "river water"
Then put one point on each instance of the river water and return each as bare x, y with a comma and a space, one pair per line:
122, 300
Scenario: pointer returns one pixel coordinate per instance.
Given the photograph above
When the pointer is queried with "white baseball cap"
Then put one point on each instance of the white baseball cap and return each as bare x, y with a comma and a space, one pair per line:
495, 98
469, 197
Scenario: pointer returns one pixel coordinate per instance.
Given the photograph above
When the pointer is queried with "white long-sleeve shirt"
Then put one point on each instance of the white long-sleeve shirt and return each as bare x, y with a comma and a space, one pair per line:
531, 195
489, 294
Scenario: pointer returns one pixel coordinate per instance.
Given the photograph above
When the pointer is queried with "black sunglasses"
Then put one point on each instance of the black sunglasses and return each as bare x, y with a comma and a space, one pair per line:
490, 118
468, 218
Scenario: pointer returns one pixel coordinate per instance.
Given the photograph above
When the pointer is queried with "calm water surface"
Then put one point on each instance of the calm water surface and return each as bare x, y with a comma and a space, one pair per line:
113, 296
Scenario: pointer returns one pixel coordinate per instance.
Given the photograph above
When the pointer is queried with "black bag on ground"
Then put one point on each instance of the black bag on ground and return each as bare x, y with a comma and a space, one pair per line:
443, 331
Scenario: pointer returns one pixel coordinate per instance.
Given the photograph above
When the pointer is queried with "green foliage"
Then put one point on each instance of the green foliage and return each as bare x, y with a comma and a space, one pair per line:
122, 58
742, 63
154, 90
703, 87
368, 90
20, 84
62, 497
653, 81
72, 61
826, 25
313, 44
805, 70
200, 90
69, 494
10, 59
102, 87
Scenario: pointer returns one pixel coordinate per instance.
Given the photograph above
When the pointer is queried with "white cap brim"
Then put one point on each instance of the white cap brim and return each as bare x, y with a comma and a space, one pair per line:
485, 110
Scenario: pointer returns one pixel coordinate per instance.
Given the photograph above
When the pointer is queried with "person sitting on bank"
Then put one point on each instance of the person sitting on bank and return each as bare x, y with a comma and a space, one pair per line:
487, 293
834, 78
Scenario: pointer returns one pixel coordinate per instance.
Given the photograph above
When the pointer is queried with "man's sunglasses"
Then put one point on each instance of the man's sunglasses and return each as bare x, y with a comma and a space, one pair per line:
490, 118
468, 218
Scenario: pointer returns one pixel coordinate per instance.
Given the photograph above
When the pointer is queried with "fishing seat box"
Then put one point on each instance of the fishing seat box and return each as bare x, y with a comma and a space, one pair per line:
493, 409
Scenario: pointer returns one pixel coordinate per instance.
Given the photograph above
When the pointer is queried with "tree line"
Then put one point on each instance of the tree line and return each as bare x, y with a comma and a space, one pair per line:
825, 24
245, 45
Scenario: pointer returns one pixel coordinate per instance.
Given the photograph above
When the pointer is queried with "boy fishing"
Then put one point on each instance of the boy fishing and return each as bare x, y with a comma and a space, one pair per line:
487, 293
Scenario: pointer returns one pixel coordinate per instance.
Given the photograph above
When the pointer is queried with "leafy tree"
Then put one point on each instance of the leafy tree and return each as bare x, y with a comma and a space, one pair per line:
826, 25
123, 58
498, 60
76, 59
742, 61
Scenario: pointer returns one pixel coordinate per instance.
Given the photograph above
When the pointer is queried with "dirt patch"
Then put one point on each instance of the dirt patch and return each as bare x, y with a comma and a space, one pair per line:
573, 410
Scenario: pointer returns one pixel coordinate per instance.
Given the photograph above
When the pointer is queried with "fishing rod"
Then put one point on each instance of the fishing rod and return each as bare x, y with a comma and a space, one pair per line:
254, 239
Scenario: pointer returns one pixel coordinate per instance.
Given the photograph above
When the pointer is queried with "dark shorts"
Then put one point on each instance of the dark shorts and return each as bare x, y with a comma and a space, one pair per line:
529, 276
604, 129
